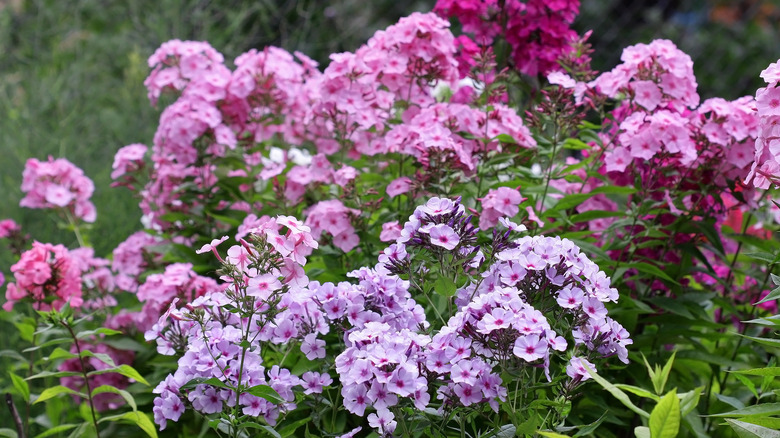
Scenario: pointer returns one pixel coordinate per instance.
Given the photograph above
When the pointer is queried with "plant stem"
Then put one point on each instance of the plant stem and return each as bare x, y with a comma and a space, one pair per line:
9, 401
86, 377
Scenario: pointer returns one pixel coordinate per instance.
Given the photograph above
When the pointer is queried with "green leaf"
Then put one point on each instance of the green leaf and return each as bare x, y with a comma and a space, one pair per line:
213, 381
290, 429
59, 353
125, 370
642, 432
647, 268
689, 400
106, 359
138, 418
55, 391
638, 391
747, 430
664, 376
125, 395
266, 392
444, 286
551, 434
762, 409
26, 330
775, 294
44, 374
665, 418
588, 429
21, 386
764, 341
8, 433
617, 393
773, 371
99, 331
56, 429
748, 384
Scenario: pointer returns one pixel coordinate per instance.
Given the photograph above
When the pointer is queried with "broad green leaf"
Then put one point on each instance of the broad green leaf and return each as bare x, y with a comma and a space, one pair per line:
647, 268
212, 381
56, 430
266, 392
773, 371
665, 418
80, 430
505, 431
748, 384
664, 376
21, 385
125, 395
775, 294
551, 434
26, 330
55, 391
60, 353
770, 422
444, 286
125, 370
45, 374
764, 341
617, 393
689, 400
588, 429
289, 429
49, 343
747, 430
99, 331
138, 418
8, 433
106, 359
762, 409
638, 391
642, 432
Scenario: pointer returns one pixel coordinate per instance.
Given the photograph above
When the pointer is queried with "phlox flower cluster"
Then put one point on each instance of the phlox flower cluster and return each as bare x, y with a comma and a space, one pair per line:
539, 298
264, 285
380, 366
336, 219
97, 279
538, 31
378, 297
47, 274
131, 258
159, 290
499, 203
378, 100
58, 184
765, 170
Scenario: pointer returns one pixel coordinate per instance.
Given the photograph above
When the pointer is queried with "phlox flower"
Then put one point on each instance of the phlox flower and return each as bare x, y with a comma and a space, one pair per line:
530, 348
398, 186
212, 246
576, 368
312, 347
314, 382
383, 421
444, 236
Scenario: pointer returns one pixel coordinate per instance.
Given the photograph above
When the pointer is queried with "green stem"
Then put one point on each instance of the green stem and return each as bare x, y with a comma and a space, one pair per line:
75, 227
86, 377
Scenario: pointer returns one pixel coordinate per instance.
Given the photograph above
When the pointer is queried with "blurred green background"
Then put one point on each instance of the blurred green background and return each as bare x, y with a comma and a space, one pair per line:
71, 73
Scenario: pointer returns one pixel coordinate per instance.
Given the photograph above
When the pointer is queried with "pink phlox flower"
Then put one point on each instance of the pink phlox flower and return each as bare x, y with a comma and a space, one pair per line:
312, 347
530, 348
444, 236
